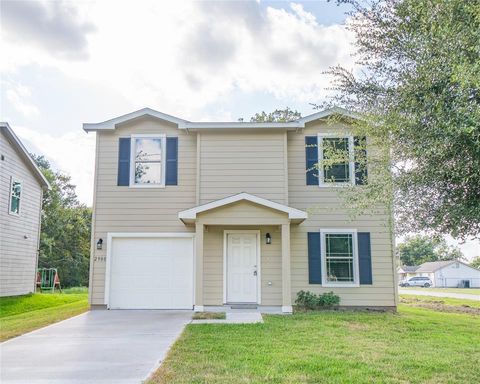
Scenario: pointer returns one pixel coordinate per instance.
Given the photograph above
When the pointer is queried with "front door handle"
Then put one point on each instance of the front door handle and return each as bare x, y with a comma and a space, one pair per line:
254, 273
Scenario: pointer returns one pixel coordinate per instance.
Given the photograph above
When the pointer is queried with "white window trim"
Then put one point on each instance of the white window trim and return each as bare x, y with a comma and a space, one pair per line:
356, 277
351, 152
13, 180
161, 136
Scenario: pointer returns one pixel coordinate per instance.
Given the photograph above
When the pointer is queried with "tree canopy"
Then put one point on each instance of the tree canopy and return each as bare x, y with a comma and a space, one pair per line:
418, 95
475, 263
278, 116
419, 249
65, 234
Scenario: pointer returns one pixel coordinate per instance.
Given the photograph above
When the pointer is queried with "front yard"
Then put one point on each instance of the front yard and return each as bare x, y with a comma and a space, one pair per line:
416, 345
21, 314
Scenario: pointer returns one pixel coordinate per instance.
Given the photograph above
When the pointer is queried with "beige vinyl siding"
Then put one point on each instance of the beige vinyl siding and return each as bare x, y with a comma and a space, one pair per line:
246, 161
126, 209
271, 264
242, 213
237, 216
224, 163
325, 210
18, 255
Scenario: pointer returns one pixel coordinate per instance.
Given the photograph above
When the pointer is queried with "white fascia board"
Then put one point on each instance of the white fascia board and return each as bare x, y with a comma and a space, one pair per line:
326, 113
112, 123
293, 213
24, 153
184, 124
239, 125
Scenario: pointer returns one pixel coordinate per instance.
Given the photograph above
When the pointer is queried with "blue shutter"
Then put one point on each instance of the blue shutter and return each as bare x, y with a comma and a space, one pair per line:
314, 258
311, 158
360, 150
171, 174
364, 258
123, 177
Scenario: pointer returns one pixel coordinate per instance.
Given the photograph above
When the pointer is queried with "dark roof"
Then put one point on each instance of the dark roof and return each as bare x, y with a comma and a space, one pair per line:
409, 268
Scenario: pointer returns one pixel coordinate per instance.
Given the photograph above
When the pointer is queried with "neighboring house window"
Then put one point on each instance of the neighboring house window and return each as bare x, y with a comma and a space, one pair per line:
342, 171
340, 257
147, 161
15, 196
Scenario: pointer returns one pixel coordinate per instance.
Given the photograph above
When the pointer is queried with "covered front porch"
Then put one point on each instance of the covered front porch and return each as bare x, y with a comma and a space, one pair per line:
242, 253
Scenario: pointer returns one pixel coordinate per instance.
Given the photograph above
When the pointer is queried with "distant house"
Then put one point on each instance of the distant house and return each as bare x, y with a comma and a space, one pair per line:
21, 188
406, 272
451, 273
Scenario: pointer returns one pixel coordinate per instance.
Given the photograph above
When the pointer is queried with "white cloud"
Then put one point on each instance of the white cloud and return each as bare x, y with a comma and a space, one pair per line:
19, 96
72, 153
52, 25
179, 57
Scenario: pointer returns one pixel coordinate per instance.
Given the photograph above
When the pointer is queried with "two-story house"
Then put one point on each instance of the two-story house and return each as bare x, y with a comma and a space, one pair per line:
197, 214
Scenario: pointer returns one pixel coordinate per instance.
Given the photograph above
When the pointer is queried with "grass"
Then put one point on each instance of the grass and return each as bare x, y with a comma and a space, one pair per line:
21, 314
447, 301
416, 345
468, 291
209, 316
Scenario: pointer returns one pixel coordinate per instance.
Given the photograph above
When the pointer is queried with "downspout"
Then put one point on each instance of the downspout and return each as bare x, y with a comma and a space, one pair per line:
38, 241
92, 234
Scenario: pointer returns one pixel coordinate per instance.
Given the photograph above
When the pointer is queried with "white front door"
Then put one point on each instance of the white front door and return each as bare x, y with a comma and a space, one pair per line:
242, 268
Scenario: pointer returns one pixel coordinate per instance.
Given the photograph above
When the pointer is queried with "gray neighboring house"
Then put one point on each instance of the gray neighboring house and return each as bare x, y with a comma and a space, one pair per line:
21, 189
444, 274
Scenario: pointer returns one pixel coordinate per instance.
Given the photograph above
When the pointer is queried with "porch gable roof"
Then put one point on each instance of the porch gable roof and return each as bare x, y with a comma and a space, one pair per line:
190, 215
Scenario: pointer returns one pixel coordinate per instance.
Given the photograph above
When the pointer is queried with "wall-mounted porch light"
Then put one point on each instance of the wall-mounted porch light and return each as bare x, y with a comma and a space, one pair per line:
268, 238
99, 244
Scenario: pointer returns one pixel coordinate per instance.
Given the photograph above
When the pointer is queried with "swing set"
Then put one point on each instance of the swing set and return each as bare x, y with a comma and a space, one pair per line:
48, 280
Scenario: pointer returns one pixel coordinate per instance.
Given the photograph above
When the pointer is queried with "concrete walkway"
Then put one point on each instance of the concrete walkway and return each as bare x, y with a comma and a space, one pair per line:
438, 294
235, 317
96, 347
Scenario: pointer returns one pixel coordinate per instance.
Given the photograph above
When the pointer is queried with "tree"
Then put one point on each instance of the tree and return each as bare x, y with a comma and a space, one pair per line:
475, 263
418, 96
419, 249
278, 116
65, 235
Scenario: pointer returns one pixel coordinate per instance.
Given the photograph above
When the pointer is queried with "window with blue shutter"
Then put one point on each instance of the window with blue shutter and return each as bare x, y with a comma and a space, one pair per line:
171, 173
123, 177
360, 151
364, 257
311, 158
314, 258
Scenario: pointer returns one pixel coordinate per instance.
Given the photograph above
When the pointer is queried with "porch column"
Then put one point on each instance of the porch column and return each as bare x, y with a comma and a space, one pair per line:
199, 229
286, 275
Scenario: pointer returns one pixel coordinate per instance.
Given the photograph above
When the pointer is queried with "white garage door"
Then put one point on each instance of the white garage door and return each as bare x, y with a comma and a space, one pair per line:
151, 273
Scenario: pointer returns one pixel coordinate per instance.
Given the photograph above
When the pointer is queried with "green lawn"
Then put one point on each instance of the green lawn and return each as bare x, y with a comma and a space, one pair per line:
468, 291
445, 301
416, 345
21, 314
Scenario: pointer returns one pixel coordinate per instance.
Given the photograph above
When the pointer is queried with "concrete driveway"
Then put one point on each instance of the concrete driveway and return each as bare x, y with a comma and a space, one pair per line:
96, 347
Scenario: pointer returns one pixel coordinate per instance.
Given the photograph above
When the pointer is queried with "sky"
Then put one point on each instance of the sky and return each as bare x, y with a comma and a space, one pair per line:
65, 63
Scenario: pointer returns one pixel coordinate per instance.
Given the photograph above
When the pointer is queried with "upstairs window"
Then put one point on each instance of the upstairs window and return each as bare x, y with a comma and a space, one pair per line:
15, 196
336, 160
147, 161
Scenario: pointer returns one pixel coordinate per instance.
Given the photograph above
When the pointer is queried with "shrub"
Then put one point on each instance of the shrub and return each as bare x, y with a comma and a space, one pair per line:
309, 300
